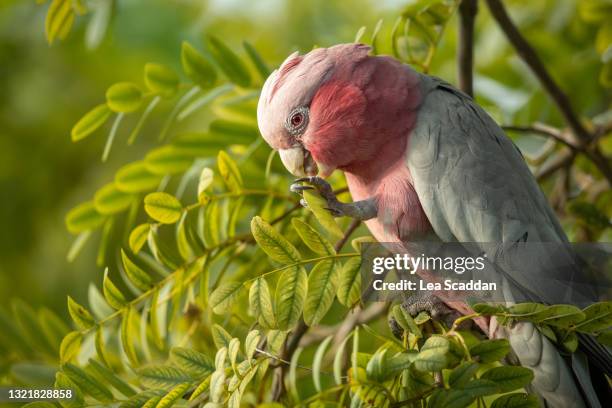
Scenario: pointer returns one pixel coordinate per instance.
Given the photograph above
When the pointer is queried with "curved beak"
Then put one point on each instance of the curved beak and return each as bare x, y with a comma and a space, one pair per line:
298, 161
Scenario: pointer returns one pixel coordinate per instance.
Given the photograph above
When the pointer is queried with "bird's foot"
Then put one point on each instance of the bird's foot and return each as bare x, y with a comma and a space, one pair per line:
334, 206
425, 302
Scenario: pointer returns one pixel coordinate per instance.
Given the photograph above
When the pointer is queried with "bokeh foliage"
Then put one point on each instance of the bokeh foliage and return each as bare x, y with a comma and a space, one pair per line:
191, 225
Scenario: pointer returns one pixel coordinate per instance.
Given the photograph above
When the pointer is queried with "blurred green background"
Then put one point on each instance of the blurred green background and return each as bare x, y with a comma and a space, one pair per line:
45, 89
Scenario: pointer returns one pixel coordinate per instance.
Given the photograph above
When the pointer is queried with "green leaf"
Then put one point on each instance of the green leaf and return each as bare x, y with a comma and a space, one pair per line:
289, 297
570, 342
87, 383
489, 351
257, 60
417, 382
103, 372
205, 180
135, 274
124, 97
406, 322
318, 360
273, 243
322, 284
80, 315
222, 298
135, 178
174, 395
349, 282
293, 374
234, 132
197, 67
59, 20
516, 400
598, 317
27, 322
140, 399
313, 240
70, 347
231, 65
317, 205
112, 294
509, 378
488, 309
232, 351
220, 336
229, 172
372, 395
110, 200
462, 374
443, 398
63, 382
90, 122
250, 343
481, 387
339, 361
162, 376
434, 355
161, 79
138, 237
260, 303
376, 367
562, 316
163, 207
84, 217
130, 332
168, 160
217, 386
605, 338
52, 327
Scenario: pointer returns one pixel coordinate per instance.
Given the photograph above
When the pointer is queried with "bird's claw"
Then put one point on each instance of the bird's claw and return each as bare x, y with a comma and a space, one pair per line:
324, 189
426, 302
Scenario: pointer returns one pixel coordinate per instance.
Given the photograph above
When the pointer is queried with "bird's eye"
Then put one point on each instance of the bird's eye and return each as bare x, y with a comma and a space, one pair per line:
297, 120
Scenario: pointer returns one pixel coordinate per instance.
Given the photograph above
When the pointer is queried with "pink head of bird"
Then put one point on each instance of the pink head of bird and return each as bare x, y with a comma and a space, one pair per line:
312, 110
339, 108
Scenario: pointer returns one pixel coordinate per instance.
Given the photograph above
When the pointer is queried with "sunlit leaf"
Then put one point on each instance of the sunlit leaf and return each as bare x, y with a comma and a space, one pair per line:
289, 297
163, 207
315, 241
516, 400
59, 20
349, 282
87, 383
197, 67
124, 97
322, 284
135, 274
112, 294
63, 382
317, 361
84, 217
138, 237
317, 205
135, 178
231, 65
273, 243
111, 378
168, 160
90, 122
70, 347
222, 298
489, 351
81, 316
260, 303
229, 172
161, 79
162, 376
110, 200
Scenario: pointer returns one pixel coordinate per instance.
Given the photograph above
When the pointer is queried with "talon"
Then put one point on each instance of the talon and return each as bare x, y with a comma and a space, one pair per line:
302, 179
335, 212
298, 188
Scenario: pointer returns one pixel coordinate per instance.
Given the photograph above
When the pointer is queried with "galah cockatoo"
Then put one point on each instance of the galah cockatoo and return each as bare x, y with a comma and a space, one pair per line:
421, 158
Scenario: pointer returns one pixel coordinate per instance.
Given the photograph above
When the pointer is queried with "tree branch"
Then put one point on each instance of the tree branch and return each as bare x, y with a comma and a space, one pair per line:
465, 54
531, 58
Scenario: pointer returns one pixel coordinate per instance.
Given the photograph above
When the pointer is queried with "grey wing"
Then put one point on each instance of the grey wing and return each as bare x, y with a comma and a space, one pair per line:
474, 186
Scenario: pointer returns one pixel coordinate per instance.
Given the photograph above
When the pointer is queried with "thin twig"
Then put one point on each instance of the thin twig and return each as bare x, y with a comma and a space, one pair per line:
465, 54
531, 58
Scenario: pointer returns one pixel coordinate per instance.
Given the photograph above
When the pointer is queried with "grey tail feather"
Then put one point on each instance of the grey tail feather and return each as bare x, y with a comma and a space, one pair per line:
592, 366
